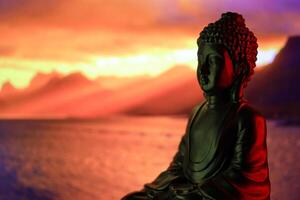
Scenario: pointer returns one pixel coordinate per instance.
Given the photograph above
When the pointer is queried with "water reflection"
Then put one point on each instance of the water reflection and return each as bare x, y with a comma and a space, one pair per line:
11, 188
105, 159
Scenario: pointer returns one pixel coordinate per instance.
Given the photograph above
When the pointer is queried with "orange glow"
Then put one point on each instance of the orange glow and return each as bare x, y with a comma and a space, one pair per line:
265, 57
268, 49
152, 63
100, 38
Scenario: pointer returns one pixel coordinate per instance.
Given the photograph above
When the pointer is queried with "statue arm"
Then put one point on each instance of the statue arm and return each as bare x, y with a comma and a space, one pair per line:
250, 152
174, 170
248, 170
176, 164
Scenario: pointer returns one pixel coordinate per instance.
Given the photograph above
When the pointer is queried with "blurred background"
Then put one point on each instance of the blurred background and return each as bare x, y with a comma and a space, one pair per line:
93, 91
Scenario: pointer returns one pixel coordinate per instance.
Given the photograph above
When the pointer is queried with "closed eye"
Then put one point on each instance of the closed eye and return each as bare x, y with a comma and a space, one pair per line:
214, 59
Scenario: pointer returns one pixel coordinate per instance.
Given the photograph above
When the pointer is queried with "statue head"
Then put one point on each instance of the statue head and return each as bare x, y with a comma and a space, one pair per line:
227, 52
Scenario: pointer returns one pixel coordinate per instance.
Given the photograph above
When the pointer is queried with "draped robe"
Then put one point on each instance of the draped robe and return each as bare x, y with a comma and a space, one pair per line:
225, 161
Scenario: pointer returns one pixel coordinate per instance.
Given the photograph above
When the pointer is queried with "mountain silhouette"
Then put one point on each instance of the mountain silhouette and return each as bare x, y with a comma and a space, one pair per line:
41, 79
174, 92
179, 96
143, 96
275, 89
8, 89
34, 100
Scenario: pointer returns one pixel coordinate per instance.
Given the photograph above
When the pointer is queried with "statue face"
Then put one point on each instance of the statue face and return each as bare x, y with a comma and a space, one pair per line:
215, 68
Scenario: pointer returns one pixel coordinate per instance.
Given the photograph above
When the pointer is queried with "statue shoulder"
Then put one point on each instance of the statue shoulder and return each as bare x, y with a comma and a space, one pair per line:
192, 115
195, 110
250, 120
248, 113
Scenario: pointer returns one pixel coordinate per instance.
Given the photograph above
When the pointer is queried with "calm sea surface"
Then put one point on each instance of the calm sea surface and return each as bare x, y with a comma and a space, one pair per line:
107, 158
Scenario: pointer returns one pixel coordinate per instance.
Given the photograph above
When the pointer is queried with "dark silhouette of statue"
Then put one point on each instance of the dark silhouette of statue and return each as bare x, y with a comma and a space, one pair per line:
223, 154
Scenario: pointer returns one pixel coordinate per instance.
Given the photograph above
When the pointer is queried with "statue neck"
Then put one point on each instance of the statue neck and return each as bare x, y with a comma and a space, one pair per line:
222, 98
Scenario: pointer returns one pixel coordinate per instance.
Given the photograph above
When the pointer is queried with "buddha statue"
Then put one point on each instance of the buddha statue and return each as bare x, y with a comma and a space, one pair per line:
223, 153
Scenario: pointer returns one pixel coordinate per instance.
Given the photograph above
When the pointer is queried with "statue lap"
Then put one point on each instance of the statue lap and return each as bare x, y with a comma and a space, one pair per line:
177, 190
164, 195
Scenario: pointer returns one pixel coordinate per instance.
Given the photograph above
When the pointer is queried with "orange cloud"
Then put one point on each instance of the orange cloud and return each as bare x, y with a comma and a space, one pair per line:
74, 35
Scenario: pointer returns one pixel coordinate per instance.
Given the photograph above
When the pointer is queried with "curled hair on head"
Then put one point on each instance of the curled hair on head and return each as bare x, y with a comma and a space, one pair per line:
230, 30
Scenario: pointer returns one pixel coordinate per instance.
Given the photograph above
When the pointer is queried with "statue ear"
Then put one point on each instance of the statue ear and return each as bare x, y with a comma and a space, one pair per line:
242, 69
245, 72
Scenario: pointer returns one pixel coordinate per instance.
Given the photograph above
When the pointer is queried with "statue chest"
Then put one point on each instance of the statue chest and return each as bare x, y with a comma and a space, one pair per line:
205, 132
209, 143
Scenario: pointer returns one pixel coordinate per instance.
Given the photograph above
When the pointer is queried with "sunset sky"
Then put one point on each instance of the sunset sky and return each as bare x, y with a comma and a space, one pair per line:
125, 37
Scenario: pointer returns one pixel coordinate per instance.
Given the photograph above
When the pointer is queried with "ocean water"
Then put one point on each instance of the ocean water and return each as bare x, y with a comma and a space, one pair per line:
107, 158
